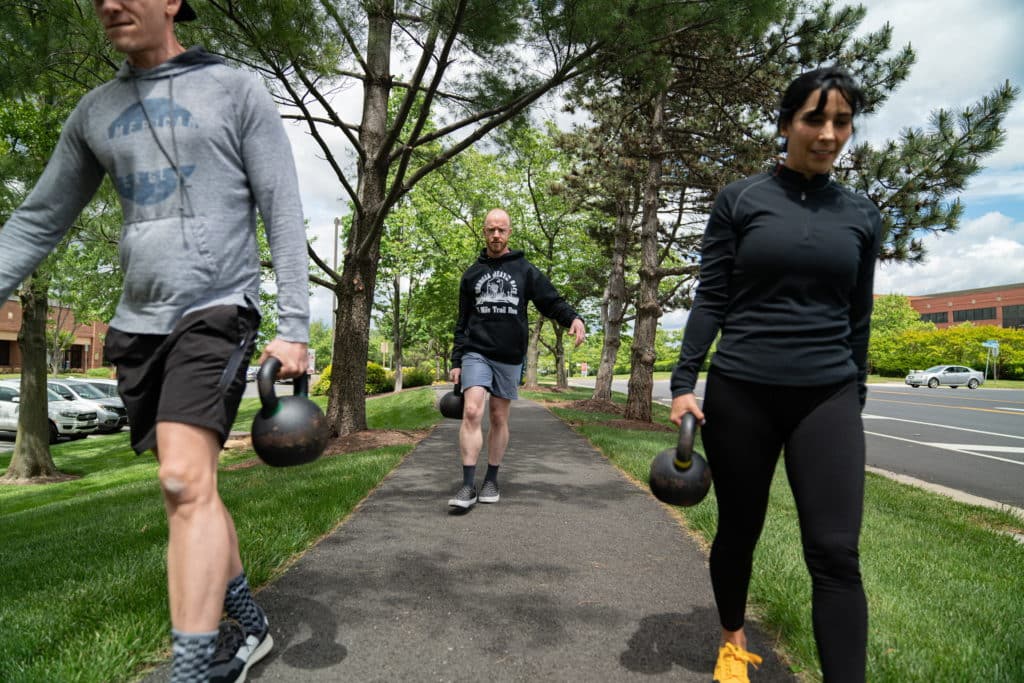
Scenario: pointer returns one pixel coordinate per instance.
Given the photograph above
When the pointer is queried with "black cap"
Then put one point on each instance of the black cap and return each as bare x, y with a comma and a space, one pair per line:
185, 13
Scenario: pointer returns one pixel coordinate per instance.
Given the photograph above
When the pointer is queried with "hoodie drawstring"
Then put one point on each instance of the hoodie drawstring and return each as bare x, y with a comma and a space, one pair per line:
182, 190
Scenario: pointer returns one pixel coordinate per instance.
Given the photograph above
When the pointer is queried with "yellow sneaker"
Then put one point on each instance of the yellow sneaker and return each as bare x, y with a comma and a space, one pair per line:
732, 664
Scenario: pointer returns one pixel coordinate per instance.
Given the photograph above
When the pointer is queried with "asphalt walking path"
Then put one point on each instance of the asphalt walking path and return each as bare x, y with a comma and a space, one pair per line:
577, 574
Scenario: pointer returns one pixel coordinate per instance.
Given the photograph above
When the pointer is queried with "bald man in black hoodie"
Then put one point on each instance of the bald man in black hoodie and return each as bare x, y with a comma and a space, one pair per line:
491, 336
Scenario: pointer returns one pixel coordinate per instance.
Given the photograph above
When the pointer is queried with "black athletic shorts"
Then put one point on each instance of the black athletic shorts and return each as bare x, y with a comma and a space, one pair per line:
194, 375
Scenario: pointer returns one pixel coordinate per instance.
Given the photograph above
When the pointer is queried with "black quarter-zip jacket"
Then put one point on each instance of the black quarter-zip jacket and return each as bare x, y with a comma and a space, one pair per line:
493, 296
787, 275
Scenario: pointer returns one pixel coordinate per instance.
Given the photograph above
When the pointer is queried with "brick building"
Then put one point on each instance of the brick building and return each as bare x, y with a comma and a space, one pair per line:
85, 352
1001, 306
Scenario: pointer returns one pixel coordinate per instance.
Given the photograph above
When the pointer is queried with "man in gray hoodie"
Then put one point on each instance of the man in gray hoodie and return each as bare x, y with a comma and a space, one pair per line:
194, 149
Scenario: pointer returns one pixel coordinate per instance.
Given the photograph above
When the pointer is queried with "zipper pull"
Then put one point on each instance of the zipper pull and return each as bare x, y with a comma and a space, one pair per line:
803, 196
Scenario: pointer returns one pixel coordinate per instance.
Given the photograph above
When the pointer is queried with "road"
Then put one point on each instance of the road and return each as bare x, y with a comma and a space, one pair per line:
969, 441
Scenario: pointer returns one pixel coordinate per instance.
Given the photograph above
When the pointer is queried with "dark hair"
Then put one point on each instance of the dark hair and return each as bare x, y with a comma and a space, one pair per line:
827, 79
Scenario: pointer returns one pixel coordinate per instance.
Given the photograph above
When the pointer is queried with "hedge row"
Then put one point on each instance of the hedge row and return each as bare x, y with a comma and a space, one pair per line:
378, 379
895, 355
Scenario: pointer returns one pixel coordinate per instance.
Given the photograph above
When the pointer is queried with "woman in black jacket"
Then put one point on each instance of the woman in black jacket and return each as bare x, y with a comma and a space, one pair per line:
787, 269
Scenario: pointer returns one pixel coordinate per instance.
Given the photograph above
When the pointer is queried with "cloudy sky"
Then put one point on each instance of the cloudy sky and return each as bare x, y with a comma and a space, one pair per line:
964, 50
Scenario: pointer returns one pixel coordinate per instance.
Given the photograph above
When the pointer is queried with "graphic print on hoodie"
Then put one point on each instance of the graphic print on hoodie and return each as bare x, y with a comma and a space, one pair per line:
151, 187
498, 293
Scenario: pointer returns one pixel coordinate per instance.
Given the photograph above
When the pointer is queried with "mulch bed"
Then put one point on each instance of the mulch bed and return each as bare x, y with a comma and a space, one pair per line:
602, 406
340, 445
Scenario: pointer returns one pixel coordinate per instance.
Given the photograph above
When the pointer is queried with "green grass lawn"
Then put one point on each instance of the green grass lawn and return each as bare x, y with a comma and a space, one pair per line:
945, 587
83, 595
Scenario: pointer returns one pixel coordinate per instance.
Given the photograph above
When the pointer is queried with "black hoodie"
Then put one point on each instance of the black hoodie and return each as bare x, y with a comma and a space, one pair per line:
492, 307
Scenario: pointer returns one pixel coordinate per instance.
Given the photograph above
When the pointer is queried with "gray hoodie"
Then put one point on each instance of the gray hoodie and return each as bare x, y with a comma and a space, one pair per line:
184, 245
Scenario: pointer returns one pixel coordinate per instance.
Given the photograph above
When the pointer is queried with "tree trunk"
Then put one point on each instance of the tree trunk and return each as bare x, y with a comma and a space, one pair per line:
563, 379
613, 307
346, 404
533, 354
32, 456
641, 376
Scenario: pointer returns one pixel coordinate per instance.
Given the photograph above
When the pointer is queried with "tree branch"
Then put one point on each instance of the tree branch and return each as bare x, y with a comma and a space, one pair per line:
343, 29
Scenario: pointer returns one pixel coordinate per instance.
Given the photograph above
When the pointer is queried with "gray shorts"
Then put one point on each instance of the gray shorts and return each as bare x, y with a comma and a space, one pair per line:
501, 379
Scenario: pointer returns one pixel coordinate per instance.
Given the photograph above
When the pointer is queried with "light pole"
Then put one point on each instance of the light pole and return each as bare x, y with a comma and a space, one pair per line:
334, 291
337, 224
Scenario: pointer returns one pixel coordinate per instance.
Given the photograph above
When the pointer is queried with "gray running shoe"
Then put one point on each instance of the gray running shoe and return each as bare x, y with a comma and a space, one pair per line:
465, 498
489, 492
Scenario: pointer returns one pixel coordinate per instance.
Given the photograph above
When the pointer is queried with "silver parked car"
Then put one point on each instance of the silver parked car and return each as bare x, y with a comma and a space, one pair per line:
947, 375
111, 411
108, 387
74, 419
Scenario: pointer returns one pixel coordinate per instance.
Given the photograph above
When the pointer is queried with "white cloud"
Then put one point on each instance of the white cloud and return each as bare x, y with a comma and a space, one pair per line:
674, 320
323, 196
986, 252
964, 50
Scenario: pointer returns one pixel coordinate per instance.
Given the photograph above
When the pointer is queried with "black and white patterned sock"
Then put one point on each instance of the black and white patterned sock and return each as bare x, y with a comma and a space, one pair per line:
193, 654
240, 606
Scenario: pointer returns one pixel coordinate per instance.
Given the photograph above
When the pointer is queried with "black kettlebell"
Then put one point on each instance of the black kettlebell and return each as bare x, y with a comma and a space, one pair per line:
287, 431
678, 475
451, 404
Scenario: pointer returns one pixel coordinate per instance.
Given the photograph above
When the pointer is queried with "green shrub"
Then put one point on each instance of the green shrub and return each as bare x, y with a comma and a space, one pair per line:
323, 385
104, 372
377, 379
894, 355
416, 377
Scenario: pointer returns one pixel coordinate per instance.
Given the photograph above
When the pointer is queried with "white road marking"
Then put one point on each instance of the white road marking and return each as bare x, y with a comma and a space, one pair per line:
981, 447
932, 424
949, 447
1016, 410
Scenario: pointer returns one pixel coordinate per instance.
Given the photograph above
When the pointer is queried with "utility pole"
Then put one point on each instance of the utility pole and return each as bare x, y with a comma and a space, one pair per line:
334, 308
334, 291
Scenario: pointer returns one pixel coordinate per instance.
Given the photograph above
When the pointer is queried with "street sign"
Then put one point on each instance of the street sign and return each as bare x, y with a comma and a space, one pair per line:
990, 344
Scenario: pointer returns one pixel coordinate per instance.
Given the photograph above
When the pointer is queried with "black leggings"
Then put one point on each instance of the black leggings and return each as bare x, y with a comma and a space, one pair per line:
747, 424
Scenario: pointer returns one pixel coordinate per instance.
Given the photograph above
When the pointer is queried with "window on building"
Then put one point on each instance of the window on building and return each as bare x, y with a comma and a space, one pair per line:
941, 317
975, 314
5, 353
1013, 316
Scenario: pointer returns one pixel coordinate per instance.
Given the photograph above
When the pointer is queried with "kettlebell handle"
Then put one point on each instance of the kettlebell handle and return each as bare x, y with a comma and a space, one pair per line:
265, 383
458, 389
684, 447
